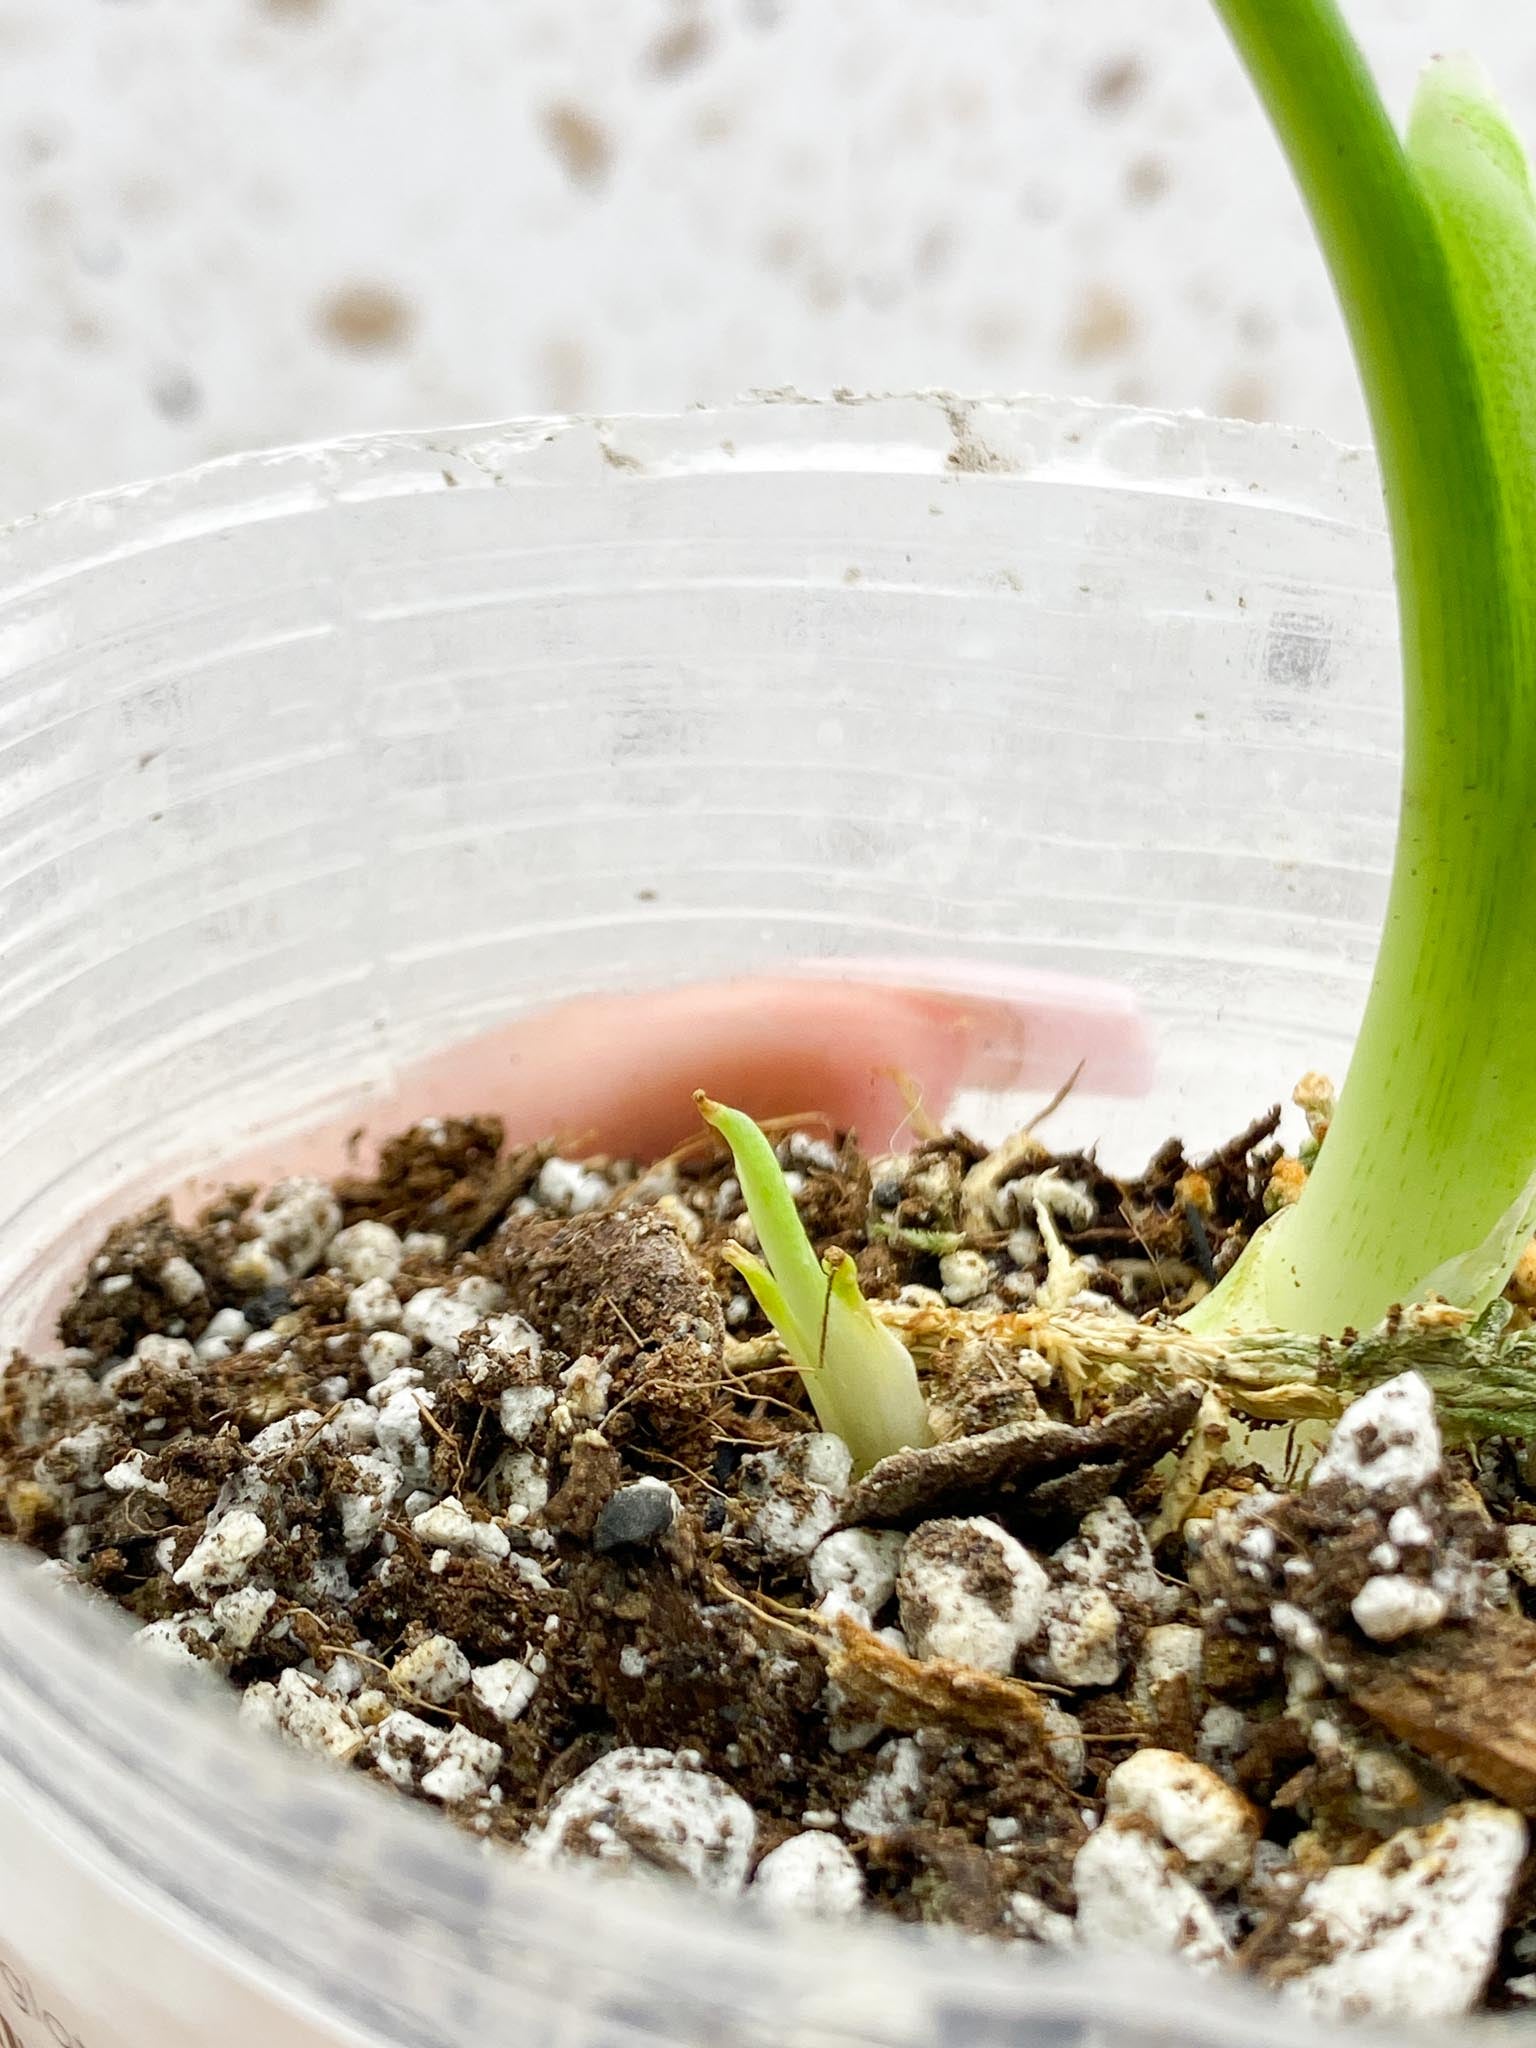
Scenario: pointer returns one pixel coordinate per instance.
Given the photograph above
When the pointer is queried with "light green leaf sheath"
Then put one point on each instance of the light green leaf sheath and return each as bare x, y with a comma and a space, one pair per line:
1427, 1179
859, 1375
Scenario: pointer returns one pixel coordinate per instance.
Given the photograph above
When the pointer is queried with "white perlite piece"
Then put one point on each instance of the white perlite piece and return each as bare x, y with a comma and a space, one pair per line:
845, 1732
297, 1708
519, 1485
889, 1798
400, 1432
342, 1677
444, 1315
1212, 1827
449, 1765
1036, 1921
1172, 1652
506, 1337
383, 1353
1068, 1201
1082, 1638
1390, 1606
1064, 1743
279, 1438
240, 1617
859, 1564
175, 1641
466, 1769
425, 1244
296, 1220
1520, 1548
354, 1426
1107, 1562
366, 1251
450, 1526
1111, 1550
436, 1318
970, 1592
964, 1275
1130, 1896
797, 1488
168, 1354
841, 1601
181, 1282
1388, 1441
1409, 1530
225, 1333
1296, 1628
434, 1671
1413, 1931
374, 1305
128, 1476
821, 1459
328, 1581
811, 1873
1025, 1246
801, 1149
505, 1689
649, 1811
486, 1296
523, 1409
1257, 1545
252, 1267
364, 1507
224, 1554
402, 1379
571, 1189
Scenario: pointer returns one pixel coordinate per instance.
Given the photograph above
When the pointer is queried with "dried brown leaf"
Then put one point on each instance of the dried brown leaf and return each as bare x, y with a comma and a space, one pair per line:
1033, 1462
902, 1693
1464, 1696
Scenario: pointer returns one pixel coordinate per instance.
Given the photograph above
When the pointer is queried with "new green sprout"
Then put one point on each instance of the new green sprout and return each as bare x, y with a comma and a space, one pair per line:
1427, 1180
859, 1375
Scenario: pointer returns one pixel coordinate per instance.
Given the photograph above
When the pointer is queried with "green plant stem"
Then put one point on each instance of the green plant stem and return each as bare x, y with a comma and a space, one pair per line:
1426, 1178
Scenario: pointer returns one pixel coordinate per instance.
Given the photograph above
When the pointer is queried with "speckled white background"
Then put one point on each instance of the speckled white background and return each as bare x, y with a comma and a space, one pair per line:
233, 222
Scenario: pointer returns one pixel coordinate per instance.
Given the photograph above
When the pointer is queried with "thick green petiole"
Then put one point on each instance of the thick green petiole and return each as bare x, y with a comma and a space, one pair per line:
1427, 1180
859, 1375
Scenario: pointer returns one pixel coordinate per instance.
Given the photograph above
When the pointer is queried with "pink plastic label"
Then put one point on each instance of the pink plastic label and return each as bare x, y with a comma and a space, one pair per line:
30, 2015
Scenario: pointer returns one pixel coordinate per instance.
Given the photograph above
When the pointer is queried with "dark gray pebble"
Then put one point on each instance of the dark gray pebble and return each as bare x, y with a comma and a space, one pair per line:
635, 1514
262, 1310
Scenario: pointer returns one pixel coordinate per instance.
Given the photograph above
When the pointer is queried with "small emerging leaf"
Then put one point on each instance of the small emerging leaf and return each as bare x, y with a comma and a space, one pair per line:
858, 1374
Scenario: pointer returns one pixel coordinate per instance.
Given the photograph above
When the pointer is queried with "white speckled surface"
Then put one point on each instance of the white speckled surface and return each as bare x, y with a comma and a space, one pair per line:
230, 222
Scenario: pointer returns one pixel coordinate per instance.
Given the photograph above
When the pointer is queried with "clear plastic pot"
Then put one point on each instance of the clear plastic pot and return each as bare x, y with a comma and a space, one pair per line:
311, 763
